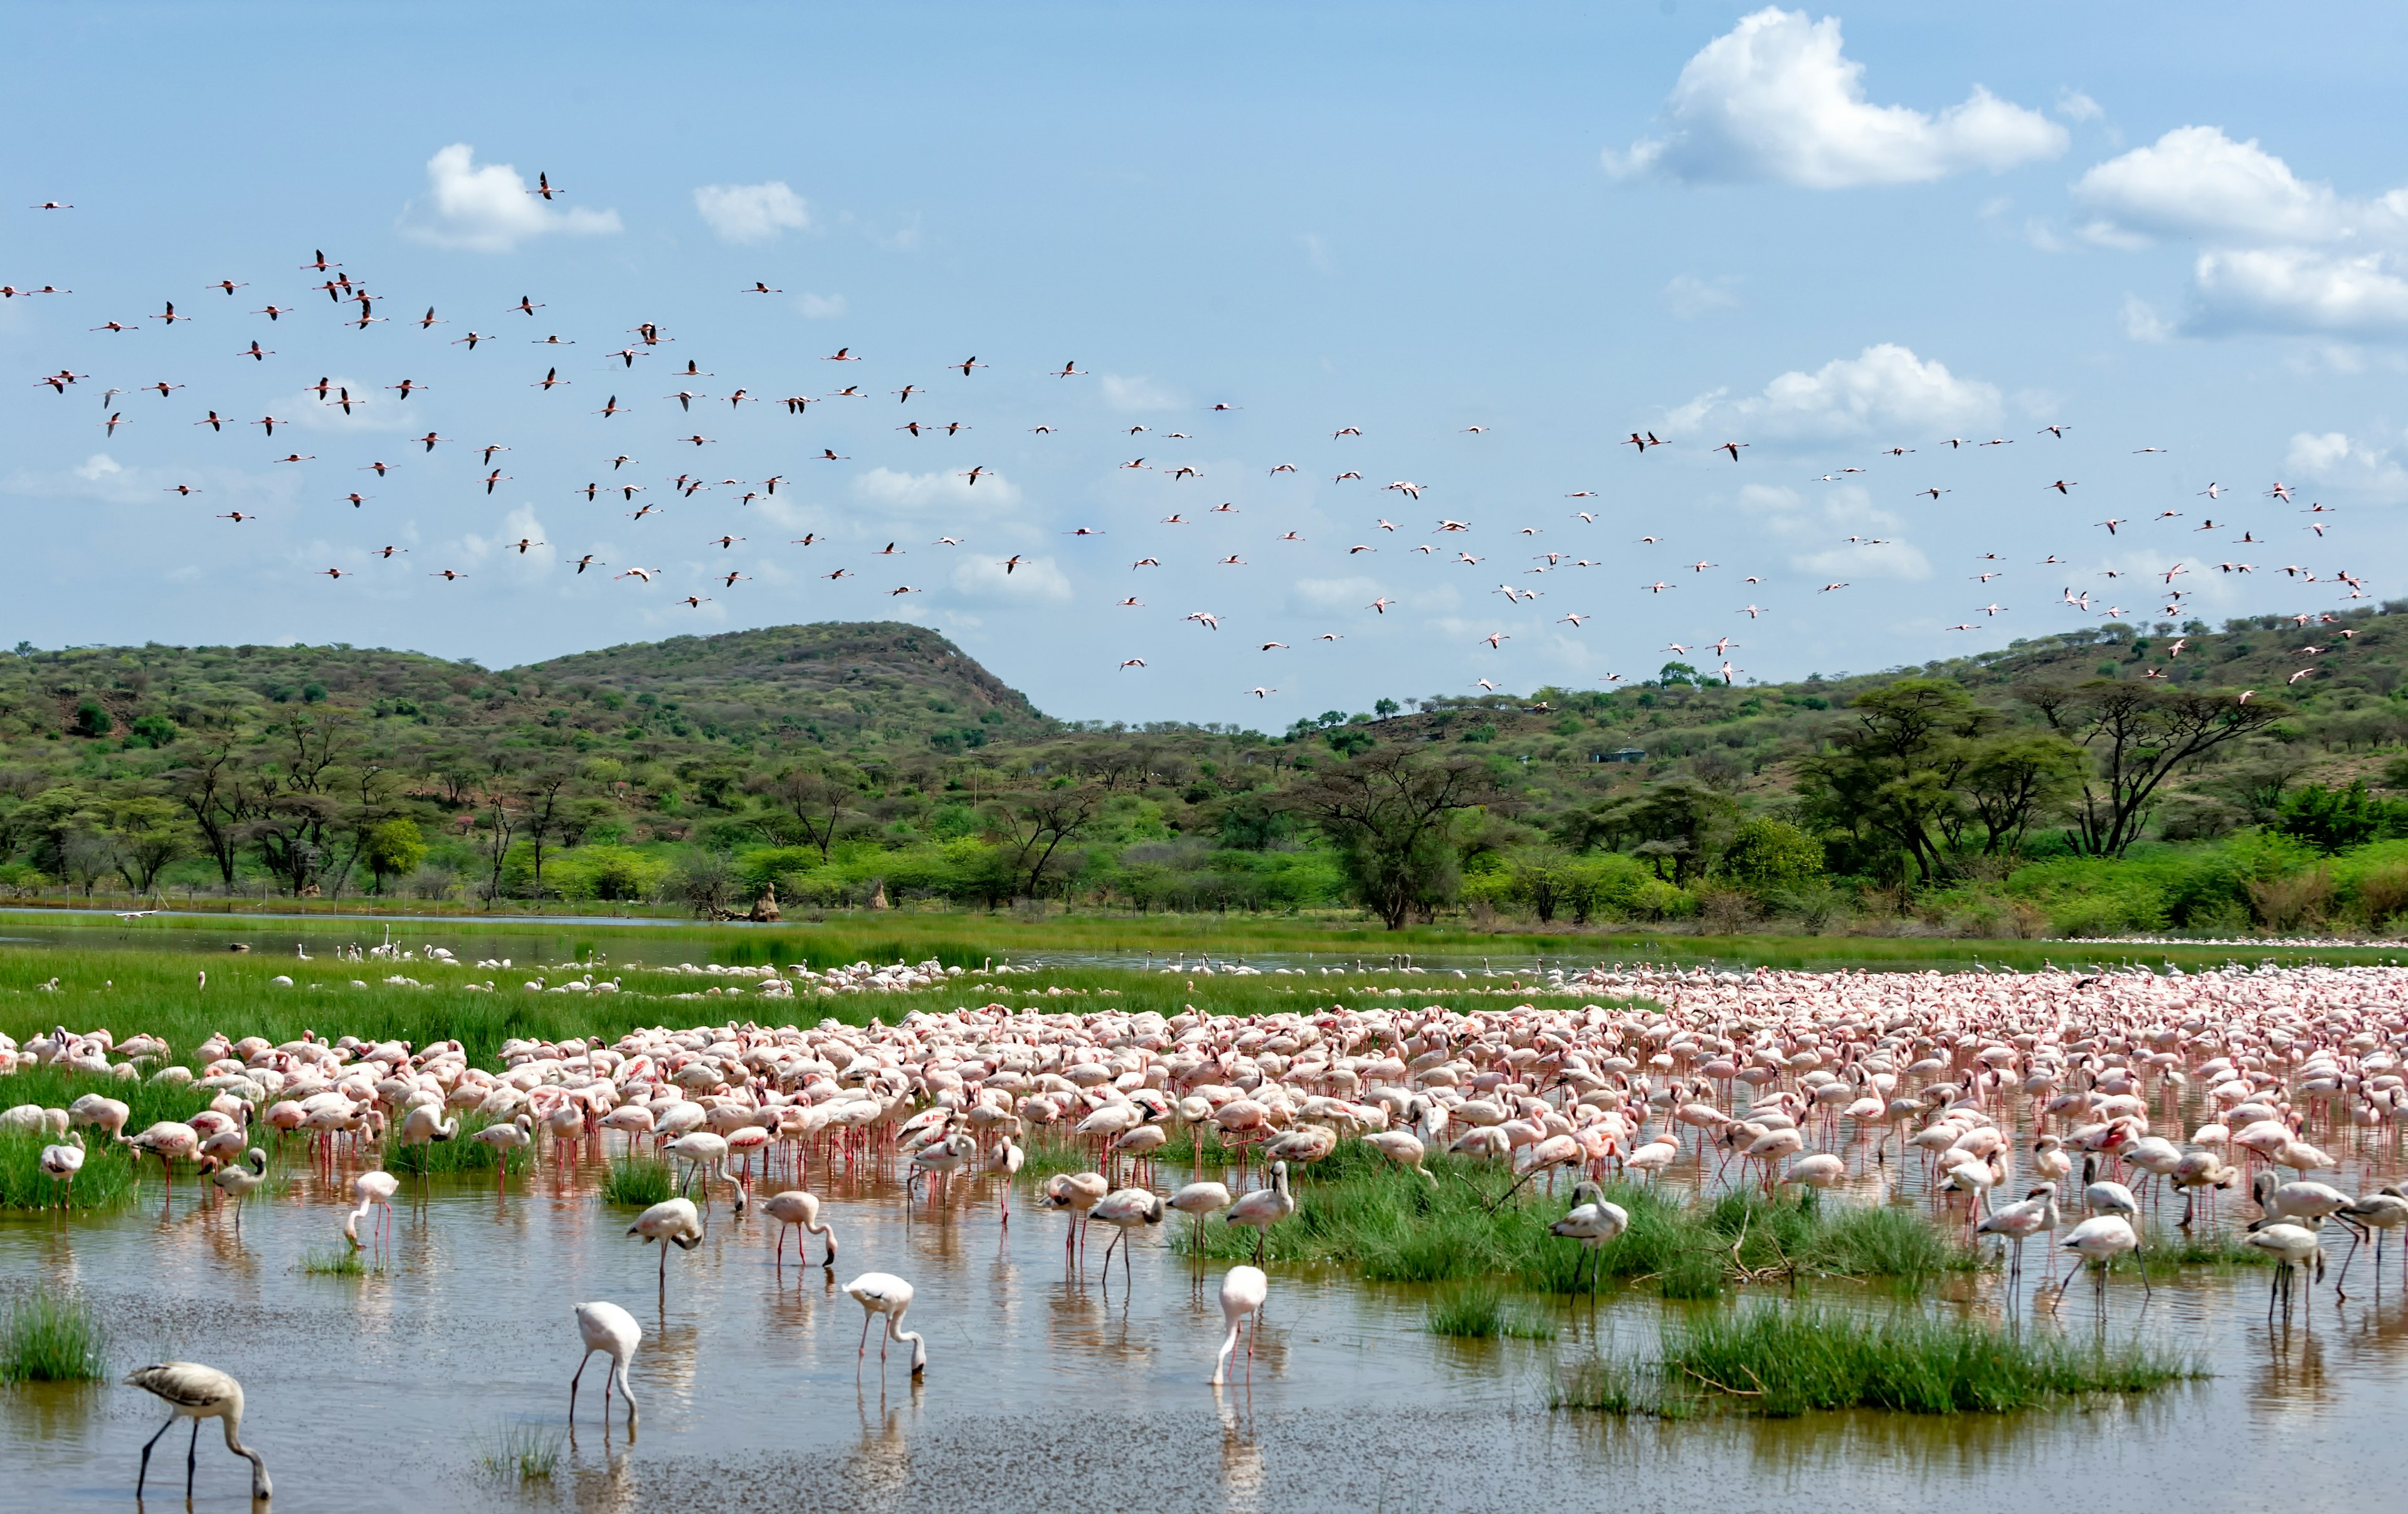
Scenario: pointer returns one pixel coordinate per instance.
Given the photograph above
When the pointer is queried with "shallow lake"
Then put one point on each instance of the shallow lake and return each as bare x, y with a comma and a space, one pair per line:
1053, 1390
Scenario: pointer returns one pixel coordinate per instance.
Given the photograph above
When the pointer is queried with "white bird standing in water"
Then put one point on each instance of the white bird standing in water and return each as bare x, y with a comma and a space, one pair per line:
1592, 1222
372, 1189
62, 1162
197, 1392
1264, 1207
237, 1181
883, 1293
672, 1222
1004, 1163
796, 1208
1242, 1292
607, 1328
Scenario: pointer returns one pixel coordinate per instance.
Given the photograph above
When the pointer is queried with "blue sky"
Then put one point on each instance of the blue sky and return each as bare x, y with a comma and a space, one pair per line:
1820, 233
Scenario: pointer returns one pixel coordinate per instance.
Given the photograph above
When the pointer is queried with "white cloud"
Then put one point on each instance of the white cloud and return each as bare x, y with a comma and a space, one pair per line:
1815, 531
1884, 388
2330, 457
1343, 595
2196, 181
104, 479
749, 213
519, 525
489, 209
1775, 99
372, 408
2299, 289
2280, 253
1032, 578
1688, 297
2142, 323
1131, 395
820, 306
2076, 106
920, 491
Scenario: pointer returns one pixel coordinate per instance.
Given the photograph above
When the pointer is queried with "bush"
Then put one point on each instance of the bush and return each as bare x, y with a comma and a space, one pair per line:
1766, 855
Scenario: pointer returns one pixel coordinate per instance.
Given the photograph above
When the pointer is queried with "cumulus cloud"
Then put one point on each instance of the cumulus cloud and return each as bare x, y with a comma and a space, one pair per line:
2299, 289
104, 479
1815, 531
1131, 395
1688, 297
520, 525
2330, 457
1032, 578
489, 209
1775, 99
372, 410
749, 213
2279, 253
2142, 323
895, 490
1884, 388
1335, 594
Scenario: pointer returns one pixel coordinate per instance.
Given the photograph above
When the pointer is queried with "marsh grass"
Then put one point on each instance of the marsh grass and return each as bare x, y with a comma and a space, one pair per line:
448, 1158
335, 1262
1481, 1311
519, 1452
2166, 1251
636, 1183
1783, 1361
1358, 1211
109, 1177
49, 1338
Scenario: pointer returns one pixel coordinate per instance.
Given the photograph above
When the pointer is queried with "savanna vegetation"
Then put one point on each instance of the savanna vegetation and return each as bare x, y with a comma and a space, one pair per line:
2114, 780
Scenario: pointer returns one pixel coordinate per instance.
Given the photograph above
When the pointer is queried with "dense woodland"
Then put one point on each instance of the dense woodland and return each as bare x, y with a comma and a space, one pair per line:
2123, 778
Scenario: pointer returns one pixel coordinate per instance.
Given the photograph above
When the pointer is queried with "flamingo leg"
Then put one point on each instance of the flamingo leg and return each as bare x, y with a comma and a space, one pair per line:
145, 1473
572, 1390
192, 1458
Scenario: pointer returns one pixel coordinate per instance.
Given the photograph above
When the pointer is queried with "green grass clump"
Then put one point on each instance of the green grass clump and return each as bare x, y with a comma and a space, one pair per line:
1387, 1225
447, 1157
636, 1183
339, 1262
2168, 1251
109, 1177
1479, 1311
519, 1453
52, 1339
1783, 1361
1605, 1385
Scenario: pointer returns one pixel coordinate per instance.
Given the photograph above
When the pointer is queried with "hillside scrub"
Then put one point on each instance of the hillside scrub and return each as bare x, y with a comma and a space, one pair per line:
866, 766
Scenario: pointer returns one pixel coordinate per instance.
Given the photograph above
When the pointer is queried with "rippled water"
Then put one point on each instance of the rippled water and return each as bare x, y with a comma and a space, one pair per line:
1053, 1391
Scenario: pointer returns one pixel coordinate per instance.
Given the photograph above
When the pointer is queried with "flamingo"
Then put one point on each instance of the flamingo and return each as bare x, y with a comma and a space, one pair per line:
672, 1222
197, 1392
1126, 1210
1242, 1292
2019, 1222
1264, 1207
1200, 1199
237, 1181
371, 1189
605, 1327
1075, 1194
62, 1162
2293, 1247
880, 1293
799, 1209
2101, 1238
1592, 1222
167, 1140
1004, 1163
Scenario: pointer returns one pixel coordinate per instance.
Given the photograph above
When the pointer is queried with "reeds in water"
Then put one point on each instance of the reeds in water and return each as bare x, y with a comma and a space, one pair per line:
108, 1178
636, 1182
1481, 1311
335, 1262
1783, 1361
458, 1155
519, 1453
48, 1338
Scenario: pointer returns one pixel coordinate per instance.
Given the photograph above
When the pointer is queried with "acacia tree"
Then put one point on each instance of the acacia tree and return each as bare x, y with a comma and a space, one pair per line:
1037, 825
2136, 738
1396, 822
818, 799
1896, 773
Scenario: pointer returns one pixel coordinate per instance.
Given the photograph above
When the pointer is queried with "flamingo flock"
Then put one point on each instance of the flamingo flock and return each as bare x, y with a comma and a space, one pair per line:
1976, 1094
1180, 519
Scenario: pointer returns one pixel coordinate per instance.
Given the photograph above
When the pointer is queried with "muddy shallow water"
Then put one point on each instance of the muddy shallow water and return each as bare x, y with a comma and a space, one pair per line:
1046, 1391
